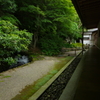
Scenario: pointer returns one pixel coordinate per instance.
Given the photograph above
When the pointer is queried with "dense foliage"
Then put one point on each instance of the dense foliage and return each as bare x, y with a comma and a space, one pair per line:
49, 17
51, 45
49, 22
12, 40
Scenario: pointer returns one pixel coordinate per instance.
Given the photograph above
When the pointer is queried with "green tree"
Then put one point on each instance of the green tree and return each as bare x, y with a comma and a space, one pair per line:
8, 8
48, 17
31, 20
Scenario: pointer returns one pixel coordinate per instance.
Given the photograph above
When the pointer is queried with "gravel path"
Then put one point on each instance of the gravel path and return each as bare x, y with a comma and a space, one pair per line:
14, 80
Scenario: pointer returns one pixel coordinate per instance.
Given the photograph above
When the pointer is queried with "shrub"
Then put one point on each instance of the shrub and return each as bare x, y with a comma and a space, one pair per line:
67, 45
73, 45
51, 44
12, 40
11, 18
77, 44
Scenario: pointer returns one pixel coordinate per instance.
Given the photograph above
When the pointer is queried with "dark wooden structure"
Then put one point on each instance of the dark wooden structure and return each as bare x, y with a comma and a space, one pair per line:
89, 12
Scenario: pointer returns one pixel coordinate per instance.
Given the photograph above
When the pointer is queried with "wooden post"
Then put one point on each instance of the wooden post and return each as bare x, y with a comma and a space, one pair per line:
82, 38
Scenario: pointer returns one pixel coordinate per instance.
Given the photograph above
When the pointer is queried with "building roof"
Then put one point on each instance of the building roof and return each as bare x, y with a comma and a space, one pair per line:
88, 11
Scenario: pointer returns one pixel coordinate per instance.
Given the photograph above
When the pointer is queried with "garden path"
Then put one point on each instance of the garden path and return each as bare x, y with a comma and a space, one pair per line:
15, 80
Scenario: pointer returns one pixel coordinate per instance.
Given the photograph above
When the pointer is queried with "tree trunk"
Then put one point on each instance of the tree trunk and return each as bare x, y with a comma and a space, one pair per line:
35, 39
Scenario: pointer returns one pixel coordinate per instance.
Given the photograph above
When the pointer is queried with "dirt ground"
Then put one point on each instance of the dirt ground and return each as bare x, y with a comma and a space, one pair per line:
15, 80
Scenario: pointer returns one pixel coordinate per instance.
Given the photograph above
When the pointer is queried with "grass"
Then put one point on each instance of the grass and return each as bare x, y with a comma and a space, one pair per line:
6, 76
2, 81
28, 91
2, 76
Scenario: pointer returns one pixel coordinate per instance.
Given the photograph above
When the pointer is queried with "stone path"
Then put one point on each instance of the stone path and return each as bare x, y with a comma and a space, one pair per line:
14, 80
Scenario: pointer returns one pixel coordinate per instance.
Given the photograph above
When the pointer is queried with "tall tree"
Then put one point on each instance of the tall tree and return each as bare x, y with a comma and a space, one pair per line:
48, 17
8, 8
32, 17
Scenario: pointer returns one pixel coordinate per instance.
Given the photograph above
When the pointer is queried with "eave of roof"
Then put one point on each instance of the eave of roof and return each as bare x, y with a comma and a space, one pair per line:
88, 11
